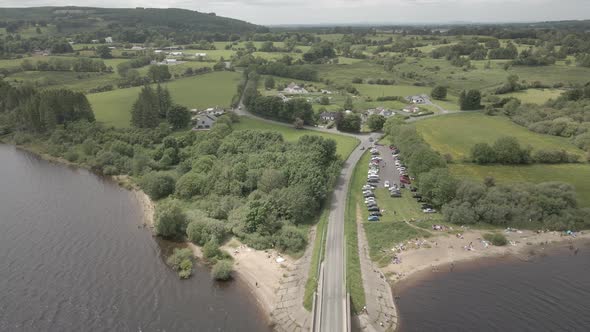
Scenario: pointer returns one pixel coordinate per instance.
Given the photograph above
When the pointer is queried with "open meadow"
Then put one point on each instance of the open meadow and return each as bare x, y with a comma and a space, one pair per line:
202, 91
456, 134
578, 175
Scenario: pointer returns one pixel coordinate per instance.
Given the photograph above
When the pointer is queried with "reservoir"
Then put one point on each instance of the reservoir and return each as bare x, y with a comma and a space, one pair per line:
551, 292
75, 257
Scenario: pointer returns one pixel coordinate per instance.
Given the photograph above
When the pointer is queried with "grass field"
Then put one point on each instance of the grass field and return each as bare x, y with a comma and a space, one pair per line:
354, 278
456, 134
535, 96
209, 90
577, 175
403, 208
345, 144
383, 236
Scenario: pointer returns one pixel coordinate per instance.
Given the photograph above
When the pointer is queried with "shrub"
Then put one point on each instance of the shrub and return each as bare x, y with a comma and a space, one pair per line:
170, 220
157, 185
496, 239
290, 239
222, 270
181, 261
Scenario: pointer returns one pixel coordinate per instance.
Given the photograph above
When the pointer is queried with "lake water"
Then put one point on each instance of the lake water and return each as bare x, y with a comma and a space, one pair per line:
74, 258
549, 293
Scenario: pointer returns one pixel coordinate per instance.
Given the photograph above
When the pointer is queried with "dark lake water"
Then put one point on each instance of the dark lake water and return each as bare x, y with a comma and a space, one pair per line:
549, 293
72, 258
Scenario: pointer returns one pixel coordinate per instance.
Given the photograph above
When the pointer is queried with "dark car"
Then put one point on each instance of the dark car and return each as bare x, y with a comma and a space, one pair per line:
373, 209
416, 195
376, 213
413, 189
369, 195
426, 206
396, 194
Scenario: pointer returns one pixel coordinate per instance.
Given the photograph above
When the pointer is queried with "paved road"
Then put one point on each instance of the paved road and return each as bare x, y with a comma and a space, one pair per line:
333, 296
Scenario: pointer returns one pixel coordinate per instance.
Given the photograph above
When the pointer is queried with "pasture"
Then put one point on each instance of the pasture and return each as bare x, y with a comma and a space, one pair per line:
578, 175
344, 144
203, 91
456, 134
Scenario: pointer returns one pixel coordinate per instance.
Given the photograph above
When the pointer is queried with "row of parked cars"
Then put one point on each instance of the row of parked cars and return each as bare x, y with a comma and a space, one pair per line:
372, 181
406, 180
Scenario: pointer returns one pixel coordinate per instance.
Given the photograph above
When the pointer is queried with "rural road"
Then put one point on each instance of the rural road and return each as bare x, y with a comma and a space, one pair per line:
333, 308
333, 294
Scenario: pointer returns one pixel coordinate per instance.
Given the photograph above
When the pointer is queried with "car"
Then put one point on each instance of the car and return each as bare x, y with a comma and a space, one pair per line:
405, 180
371, 139
373, 218
416, 195
386, 184
426, 206
396, 194
371, 205
413, 189
429, 211
376, 213
368, 187
373, 209
373, 180
369, 195
369, 199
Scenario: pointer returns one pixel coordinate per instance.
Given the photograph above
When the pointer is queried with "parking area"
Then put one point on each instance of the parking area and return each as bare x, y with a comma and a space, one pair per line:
388, 170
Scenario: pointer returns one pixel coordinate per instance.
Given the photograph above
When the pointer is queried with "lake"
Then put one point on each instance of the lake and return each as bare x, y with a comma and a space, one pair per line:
551, 292
76, 258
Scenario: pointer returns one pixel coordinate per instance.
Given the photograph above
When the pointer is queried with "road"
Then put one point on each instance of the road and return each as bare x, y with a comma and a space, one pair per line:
333, 295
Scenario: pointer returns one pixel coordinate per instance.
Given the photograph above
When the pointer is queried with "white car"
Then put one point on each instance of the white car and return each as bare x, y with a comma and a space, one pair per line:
429, 210
369, 199
386, 185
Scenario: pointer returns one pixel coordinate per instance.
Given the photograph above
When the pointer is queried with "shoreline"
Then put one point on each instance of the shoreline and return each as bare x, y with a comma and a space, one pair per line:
448, 249
253, 267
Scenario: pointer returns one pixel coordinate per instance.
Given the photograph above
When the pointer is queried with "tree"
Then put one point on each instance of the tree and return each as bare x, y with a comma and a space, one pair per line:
349, 122
145, 113
439, 92
170, 220
104, 52
348, 104
178, 116
157, 185
164, 101
375, 122
159, 73
438, 186
508, 151
470, 100
222, 270
298, 123
269, 83
483, 153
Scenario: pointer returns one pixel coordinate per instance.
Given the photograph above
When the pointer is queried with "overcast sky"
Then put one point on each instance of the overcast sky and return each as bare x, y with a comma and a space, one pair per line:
355, 11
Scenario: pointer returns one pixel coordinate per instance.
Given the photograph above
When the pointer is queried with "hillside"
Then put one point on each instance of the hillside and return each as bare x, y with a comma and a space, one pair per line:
88, 19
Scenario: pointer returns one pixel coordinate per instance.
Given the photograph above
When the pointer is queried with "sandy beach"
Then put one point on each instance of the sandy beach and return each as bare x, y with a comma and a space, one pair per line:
446, 249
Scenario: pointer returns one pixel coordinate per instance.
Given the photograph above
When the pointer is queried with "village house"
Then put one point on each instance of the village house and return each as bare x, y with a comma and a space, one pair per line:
108, 40
419, 99
205, 119
379, 111
328, 116
294, 89
411, 109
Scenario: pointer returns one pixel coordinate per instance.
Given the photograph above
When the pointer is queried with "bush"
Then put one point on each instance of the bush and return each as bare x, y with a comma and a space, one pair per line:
181, 261
222, 270
439, 92
157, 185
496, 239
204, 230
170, 220
290, 239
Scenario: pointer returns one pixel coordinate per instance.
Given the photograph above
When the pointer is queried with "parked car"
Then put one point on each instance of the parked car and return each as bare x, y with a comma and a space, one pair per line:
386, 185
376, 213
373, 209
413, 189
427, 206
416, 195
369, 195
373, 180
373, 218
405, 180
368, 187
369, 199
429, 211
396, 194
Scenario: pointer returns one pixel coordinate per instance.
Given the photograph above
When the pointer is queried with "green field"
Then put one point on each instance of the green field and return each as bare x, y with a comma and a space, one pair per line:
535, 96
209, 90
345, 144
577, 175
456, 134
403, 208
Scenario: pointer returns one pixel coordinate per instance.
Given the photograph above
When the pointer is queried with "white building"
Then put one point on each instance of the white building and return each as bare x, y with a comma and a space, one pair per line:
108, 40
201, 55
412, 109
294, 89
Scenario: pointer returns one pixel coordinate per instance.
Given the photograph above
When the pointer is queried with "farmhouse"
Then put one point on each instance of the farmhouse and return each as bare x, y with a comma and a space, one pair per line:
294, 89
379, 111
328, 116
203, 121
419, 99
412, 109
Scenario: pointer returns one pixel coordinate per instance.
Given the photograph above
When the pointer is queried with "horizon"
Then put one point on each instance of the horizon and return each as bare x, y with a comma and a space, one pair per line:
362, 12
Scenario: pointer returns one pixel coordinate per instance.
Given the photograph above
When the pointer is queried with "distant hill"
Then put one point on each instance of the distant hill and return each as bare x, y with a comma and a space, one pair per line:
70, 20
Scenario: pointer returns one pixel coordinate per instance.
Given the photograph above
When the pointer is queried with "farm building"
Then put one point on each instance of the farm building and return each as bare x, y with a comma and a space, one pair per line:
294, 89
